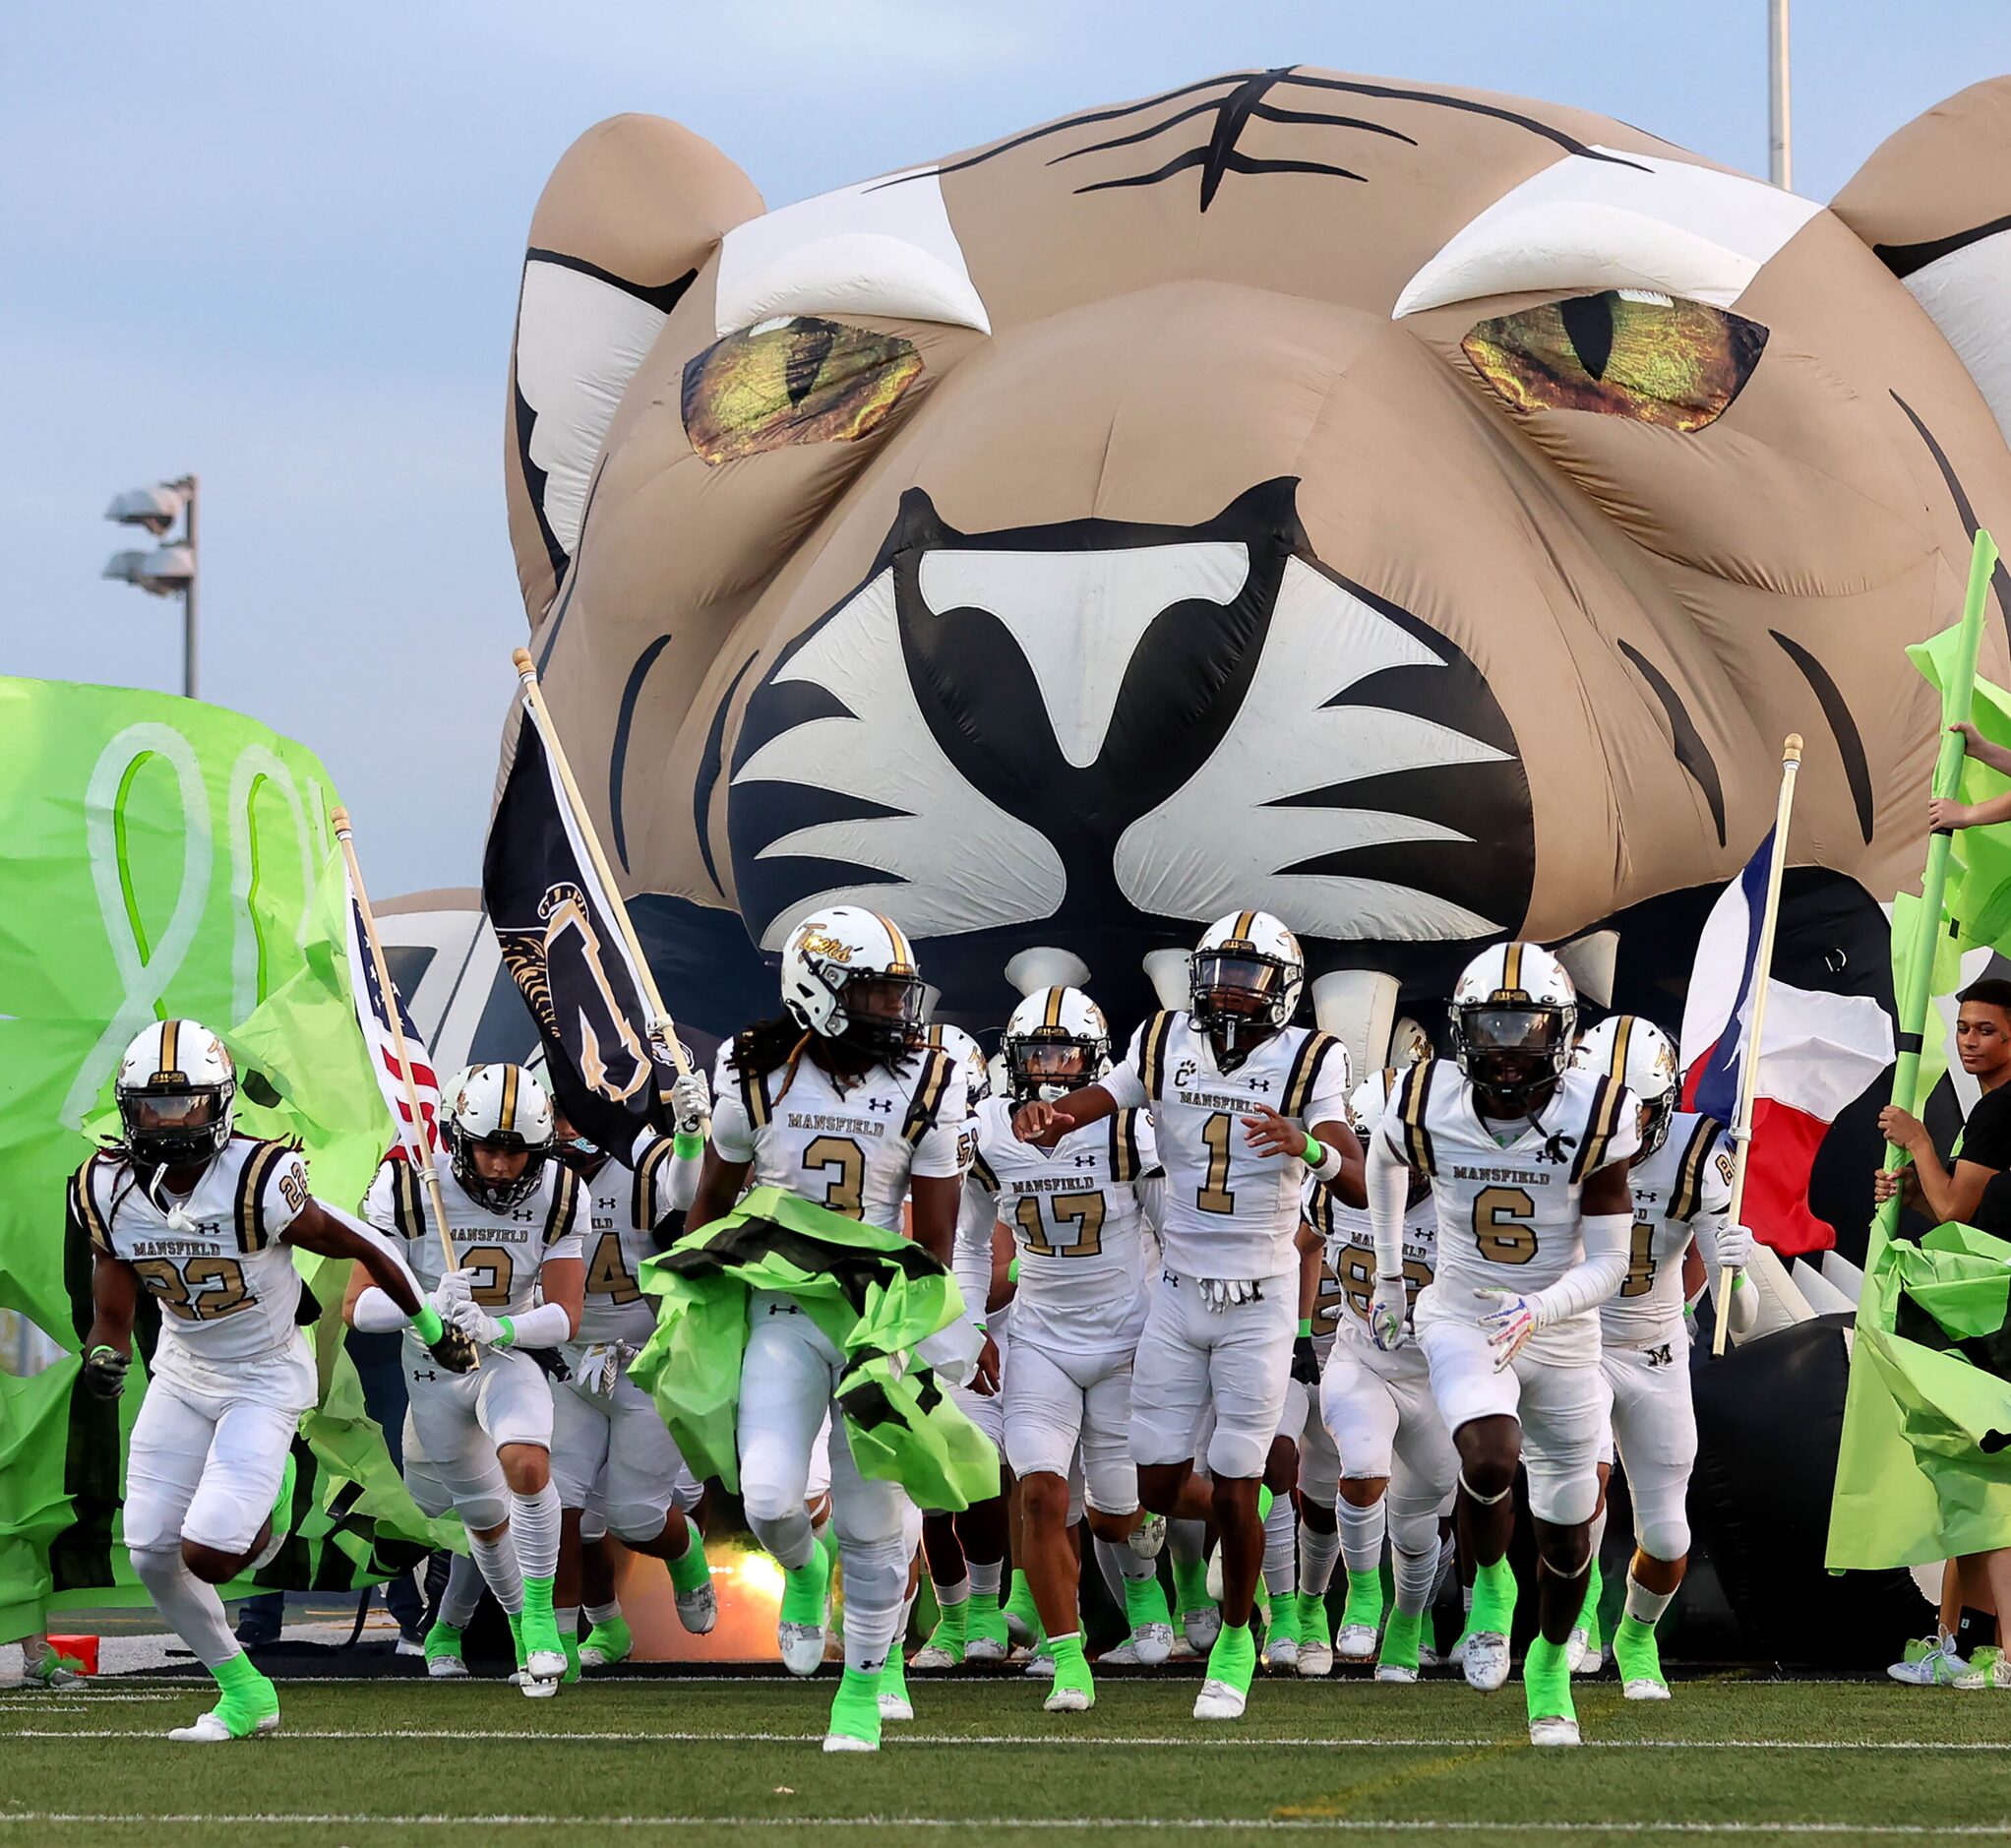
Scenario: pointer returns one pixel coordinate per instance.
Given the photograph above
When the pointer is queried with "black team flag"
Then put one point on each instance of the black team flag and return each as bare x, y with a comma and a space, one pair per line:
565, 946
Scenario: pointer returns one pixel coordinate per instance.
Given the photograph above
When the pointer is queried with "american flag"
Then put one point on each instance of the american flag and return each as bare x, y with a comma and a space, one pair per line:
375, 1019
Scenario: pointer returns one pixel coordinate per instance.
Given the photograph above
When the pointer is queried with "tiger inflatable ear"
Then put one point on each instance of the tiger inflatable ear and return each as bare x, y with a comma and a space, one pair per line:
628, 218
1935, 204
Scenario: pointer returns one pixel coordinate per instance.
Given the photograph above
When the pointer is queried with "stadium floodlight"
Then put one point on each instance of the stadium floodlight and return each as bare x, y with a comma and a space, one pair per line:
168, 570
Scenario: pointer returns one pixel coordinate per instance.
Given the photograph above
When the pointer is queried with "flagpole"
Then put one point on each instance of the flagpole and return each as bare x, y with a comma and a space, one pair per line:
661, 1026
396, 1014
1957, 692
1749, 1068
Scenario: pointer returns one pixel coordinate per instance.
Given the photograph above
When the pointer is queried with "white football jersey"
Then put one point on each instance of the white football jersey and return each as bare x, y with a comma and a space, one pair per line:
1230, 1212
625, 1205
502, 1251
1078, 1219
1509, 1211
1681, 1191
851, 1150
227, 1287
1347, 1270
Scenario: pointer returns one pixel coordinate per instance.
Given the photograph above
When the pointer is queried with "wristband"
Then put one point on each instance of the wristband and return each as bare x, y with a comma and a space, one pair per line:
506, 1332
1306, 1325
427, 1325
1739, 1280
687, 1145
1013, 1271
1312, 1154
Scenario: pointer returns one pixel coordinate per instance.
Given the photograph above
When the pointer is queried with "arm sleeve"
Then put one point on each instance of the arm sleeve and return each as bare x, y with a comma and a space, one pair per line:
377, 1314
732, 1133
1389, 1184
1124, 1080
972, 1258
1595, 1276
378, 1205
546, 1325
939, 1155
1330, 1100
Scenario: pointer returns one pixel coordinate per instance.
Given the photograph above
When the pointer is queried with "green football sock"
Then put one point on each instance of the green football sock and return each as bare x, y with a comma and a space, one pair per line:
1145, 1602
1588, 1615
893, 1676
855, 1710
1365, 1599
1313, 1619
248, 1697
613, 1638
1019, 1601
1283, 1617
1071, 1666
540, 1621
691, 1571
1233, 1659
569, 1640
806, 1591
1400, 1638
1265, 1499
1190, 1586
951, 1632
1494, 1600
1547, 1681
1636, 1653
443, 1639
516, 1621
985, 1622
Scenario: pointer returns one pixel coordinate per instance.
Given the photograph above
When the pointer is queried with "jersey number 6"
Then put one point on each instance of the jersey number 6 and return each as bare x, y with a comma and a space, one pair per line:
1502, 1229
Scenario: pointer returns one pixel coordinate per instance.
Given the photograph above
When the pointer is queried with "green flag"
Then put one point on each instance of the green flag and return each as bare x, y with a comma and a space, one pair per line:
872, 1294
163, 857
1978, 897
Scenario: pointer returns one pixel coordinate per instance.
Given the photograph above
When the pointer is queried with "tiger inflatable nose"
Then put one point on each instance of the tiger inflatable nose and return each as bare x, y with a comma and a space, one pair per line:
1417, 512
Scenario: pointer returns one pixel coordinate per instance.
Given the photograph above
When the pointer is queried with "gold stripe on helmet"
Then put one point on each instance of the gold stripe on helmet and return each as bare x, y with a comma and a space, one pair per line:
170, 1072
1511, 967
904, 957
1054, 1014
508, 1116
1621, 1036
1245, 922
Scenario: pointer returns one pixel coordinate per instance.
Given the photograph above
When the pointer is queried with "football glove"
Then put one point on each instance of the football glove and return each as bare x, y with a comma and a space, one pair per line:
1305, 1362
1734, 1247
454, 1350
691, 1103
480, 1327
1220, 1293
1509, 1324
455, 1287
1388, 1303
104, 1372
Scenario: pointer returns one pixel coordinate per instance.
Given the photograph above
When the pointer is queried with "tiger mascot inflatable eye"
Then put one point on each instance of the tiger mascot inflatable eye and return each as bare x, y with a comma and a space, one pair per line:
1415, 512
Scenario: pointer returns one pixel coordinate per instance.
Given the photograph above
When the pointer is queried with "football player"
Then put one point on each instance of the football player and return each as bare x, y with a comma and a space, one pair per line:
840, 1102
515, 1216
205, 1221
1681, 1185
966, 1551
610, 1450
1075, 1203
1242, 1104
1398, 1465
1528, 1160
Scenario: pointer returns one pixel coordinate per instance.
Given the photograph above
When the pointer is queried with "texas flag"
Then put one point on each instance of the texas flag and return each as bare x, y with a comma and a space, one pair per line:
1821, 1051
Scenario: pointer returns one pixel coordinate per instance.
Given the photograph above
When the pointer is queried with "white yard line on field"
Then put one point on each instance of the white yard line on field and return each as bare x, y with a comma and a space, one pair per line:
1196, 1824
1230, 1741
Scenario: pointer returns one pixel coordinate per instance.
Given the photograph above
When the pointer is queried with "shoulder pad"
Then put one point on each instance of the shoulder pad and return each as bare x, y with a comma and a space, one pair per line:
1313, 1052
936, 1068
1602, 1120
250, 1209
1689, 1171
564, 1199
1152, 1041
1414, 1103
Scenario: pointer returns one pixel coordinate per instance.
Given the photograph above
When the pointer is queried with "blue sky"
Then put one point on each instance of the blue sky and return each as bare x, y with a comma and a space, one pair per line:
279, 245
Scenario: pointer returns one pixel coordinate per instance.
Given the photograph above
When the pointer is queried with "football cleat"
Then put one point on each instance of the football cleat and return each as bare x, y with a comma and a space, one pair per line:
1558, 1729
933, 1658
991, 1630
1399, 1672
1219, 1701
1281, 1654
698, 1610
543, 1670
1069, 1700
1582, 1654
1356, 1642
607, 1645
1202, 1627
1486, 1660
1148, 1539
1040, 1666
1316, 1659
1455, 1657
210, 1729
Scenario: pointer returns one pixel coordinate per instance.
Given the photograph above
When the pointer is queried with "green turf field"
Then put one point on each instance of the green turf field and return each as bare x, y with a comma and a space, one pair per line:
376, 1762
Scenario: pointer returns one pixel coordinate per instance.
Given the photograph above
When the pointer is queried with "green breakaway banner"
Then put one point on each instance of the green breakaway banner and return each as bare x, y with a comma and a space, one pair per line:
168, 858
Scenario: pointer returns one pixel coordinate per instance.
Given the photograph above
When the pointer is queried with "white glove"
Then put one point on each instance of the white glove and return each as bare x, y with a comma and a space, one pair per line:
1220, 1293
455, 1287
691, 1102
1509, 1324
1734, 1247
1388, 1301
600, 1367
475, 1321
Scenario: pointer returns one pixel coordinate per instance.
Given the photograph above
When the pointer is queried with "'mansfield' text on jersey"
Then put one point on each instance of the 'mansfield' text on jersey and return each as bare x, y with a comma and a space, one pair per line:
1522, 1177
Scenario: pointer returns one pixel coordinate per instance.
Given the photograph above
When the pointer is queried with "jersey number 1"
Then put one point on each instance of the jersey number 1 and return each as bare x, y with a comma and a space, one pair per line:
1215, 1195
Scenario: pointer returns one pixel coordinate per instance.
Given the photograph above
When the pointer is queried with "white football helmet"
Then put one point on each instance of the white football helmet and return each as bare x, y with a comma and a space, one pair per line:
177, 1094
977, 1074
1371, 1098
499, 1106
1244, 978
849, 975
1055, 1042
1639, 1054
1514, 1017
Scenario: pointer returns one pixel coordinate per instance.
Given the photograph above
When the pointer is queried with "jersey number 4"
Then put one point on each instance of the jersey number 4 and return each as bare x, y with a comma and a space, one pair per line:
1640, 1261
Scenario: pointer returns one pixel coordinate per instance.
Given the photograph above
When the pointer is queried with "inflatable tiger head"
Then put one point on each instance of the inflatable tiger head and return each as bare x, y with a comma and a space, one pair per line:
1417, 512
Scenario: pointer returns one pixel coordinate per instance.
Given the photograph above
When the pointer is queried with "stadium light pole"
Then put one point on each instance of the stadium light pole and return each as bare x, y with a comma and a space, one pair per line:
1779, 161
170, 569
